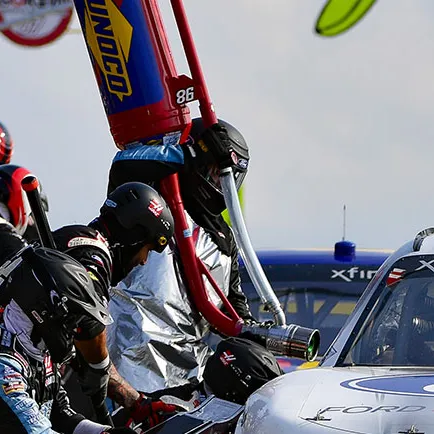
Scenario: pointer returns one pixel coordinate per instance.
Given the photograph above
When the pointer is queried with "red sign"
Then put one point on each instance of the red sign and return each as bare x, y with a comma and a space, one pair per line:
33, 23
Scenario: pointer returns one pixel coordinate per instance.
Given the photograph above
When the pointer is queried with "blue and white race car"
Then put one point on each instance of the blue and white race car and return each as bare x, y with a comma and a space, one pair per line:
378, 374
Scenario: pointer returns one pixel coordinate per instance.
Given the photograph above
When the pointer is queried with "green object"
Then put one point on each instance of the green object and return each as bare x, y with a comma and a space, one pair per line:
338, 16
313, 347
225, 213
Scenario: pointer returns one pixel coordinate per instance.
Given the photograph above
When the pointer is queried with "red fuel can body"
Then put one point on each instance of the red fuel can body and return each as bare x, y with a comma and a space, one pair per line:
144, 99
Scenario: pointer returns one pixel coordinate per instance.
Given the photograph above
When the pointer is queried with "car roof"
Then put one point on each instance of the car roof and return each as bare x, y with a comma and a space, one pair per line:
319, 256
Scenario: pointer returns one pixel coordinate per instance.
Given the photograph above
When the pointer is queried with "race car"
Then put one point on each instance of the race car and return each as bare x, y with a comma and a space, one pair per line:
317, 288
378, 374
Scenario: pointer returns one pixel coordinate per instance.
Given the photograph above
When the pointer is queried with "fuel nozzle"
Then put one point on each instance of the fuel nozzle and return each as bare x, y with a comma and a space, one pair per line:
289, 340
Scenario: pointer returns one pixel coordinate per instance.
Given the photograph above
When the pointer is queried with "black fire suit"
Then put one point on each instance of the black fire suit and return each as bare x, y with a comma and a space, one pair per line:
32, 399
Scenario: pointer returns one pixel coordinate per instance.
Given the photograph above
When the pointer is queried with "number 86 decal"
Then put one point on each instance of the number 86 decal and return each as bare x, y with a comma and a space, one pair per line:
184, 96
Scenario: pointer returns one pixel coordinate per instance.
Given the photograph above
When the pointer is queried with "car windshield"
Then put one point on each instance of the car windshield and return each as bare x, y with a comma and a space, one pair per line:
399, 328
311, 295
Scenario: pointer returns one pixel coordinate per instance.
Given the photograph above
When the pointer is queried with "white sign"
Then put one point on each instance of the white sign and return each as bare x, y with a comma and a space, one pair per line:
34, 23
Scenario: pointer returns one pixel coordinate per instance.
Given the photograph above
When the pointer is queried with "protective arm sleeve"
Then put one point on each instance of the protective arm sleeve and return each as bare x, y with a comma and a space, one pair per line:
89, 328
63, 418
236, 295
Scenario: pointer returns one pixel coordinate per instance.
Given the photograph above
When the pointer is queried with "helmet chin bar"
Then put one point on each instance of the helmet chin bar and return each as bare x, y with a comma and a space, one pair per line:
253, 266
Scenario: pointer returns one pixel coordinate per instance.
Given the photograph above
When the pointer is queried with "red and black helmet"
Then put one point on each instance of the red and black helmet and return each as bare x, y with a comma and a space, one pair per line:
238, 368
12, 196
135, 214
6, 145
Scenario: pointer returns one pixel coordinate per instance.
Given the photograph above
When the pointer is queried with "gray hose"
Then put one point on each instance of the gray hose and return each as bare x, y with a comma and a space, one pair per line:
253, 266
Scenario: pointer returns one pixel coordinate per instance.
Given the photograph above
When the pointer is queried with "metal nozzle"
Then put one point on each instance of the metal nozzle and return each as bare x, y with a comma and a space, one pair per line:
289, 340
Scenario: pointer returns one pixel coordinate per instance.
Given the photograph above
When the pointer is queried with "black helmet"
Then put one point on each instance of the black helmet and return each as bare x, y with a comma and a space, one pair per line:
200, 188
238, 368
6, 145
91, 249
135, 214
56, 293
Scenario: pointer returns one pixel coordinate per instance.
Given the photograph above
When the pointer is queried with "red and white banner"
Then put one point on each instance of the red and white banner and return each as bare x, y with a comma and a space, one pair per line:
34, 23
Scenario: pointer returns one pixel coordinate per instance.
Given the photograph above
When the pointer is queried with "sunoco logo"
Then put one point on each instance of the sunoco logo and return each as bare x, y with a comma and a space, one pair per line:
108, 34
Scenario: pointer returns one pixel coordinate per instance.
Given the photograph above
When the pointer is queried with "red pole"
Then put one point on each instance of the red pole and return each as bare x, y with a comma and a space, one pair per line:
230, 327
194, 268
146, 104
205, 104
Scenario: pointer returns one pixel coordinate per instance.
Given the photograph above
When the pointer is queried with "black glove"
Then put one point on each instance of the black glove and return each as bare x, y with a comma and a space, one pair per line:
93, 382
151, 412
215, 141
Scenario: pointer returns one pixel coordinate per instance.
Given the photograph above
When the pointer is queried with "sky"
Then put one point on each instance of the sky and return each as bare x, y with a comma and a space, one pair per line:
345, 120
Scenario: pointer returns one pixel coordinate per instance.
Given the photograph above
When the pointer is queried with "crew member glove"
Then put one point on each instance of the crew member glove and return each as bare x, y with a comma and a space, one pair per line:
216, 141
94, 379
151, 412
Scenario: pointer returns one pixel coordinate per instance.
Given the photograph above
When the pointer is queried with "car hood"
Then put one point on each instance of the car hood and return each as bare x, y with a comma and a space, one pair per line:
350, 400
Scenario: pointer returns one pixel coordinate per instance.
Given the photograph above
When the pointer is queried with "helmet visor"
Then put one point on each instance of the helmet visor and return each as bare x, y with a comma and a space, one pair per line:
211, 174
